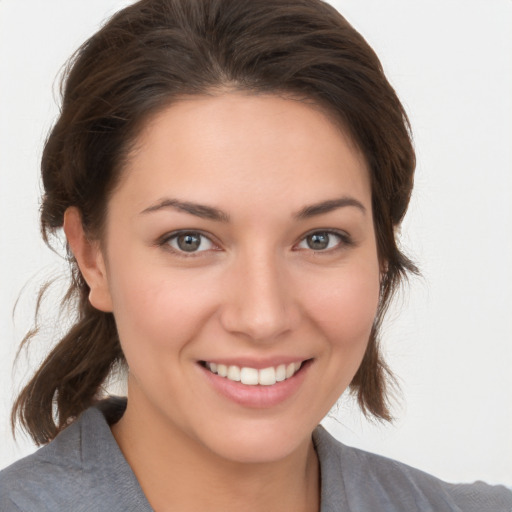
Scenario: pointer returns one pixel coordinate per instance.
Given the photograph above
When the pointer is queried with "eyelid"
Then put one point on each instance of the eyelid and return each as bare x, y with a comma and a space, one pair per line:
345, 239
164, 240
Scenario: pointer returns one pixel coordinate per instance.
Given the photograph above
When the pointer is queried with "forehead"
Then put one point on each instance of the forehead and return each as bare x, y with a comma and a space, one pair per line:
216, 148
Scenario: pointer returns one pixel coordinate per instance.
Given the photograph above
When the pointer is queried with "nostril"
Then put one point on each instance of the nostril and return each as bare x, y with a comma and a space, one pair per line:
258, 324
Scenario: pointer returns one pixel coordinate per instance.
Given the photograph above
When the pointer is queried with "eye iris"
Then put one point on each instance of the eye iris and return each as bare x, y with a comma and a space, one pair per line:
189, 242
318, 241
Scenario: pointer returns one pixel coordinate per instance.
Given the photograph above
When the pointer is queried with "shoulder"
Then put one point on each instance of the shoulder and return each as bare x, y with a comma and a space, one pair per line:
359, 480
82, 469
40, 478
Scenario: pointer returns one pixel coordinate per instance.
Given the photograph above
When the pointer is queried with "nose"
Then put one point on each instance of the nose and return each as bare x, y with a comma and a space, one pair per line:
259, 301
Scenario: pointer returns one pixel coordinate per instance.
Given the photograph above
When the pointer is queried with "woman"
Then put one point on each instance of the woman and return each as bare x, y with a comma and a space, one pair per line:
229, 176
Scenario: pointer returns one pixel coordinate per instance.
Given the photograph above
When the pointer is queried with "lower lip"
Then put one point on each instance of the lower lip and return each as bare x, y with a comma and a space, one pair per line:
260, 397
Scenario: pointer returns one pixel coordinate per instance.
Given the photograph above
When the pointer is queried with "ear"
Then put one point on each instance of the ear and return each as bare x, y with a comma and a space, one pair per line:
90, 260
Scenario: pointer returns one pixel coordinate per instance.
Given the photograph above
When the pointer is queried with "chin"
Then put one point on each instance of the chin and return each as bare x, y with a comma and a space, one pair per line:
261, 442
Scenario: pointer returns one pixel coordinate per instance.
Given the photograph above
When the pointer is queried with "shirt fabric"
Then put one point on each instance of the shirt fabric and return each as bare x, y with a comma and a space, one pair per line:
83, 469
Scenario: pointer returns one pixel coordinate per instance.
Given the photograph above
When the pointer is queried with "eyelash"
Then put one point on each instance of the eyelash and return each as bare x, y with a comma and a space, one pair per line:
344, 241
166, 240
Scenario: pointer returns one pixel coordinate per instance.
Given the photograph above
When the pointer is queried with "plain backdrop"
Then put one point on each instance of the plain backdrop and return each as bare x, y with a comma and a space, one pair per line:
449, 335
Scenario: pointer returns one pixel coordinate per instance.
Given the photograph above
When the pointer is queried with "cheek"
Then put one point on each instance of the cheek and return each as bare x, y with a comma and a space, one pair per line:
341, 309
156, 309
344, 307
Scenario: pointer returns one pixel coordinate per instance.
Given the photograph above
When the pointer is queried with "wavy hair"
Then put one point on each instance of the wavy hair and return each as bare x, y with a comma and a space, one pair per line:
138, 63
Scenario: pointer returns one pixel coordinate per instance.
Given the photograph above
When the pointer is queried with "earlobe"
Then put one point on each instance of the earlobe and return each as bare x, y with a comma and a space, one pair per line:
90, 260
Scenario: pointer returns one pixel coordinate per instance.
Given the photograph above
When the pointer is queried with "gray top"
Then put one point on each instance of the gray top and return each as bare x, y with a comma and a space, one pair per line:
83, 470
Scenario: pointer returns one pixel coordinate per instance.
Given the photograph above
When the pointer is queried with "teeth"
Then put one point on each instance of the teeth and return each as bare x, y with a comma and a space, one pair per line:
281, 373
267, 376
249, 376
252, 377
222, 370
234, 373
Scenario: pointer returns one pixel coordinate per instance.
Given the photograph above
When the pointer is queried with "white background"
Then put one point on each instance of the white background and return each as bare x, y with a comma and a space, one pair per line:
449, 337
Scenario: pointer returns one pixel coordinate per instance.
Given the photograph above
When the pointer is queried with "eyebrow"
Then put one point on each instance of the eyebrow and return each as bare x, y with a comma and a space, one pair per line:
212, 213
328, 206
199, 210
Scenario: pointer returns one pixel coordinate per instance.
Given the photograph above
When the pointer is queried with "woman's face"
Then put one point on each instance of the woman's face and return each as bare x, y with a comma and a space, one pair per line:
241, 240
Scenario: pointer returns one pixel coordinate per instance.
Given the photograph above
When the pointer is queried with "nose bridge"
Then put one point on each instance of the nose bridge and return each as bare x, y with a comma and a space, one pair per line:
259, 304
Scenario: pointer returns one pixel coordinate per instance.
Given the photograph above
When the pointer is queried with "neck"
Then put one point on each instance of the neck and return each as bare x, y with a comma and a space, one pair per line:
178, 473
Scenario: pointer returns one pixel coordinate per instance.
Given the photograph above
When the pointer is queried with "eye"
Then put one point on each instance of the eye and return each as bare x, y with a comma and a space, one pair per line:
189, 242
323, 241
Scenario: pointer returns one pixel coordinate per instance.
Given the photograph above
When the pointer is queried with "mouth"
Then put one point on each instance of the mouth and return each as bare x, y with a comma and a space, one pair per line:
254, 376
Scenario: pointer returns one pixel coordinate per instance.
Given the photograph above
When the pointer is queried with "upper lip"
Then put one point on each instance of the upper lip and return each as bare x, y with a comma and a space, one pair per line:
258, 364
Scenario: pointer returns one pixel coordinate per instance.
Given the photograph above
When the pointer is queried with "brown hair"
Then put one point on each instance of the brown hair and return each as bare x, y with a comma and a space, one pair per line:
141, 60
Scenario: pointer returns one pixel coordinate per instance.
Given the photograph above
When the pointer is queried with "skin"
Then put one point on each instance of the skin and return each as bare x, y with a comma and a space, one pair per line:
256, 291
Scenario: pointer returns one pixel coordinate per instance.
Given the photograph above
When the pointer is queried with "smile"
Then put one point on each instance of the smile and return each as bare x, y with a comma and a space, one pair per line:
253, 376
